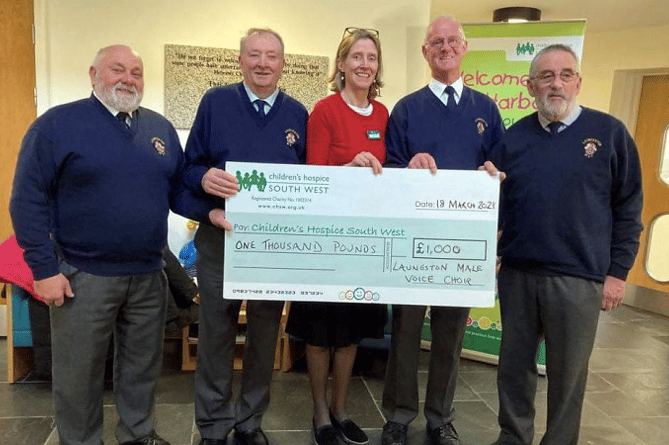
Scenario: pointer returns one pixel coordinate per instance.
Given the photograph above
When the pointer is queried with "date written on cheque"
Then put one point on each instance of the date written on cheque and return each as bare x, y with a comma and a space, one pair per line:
454, 204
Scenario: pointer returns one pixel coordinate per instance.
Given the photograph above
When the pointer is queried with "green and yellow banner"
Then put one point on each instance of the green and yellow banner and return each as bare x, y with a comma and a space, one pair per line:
499, 55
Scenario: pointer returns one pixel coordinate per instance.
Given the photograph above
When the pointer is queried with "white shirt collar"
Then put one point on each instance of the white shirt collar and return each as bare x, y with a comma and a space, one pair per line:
567, 121
253, 97
111, 109
438, 88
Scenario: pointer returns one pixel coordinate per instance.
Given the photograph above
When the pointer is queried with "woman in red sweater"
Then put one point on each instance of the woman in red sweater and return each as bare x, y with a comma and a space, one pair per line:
346, 128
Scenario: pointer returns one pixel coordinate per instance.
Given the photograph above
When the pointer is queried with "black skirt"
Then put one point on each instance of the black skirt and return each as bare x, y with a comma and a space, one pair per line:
336, 324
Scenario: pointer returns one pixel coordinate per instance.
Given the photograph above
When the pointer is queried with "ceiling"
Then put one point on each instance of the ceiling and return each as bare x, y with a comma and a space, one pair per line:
601, 15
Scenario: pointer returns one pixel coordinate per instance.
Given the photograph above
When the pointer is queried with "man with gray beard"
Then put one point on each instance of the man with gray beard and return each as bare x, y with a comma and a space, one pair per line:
571, 219
93, 186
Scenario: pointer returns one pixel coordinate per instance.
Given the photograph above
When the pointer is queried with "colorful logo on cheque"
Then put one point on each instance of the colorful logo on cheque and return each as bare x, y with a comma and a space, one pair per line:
359, 294
249, 180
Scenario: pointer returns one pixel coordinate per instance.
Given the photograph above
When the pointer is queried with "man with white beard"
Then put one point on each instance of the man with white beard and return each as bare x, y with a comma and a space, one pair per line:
94, 182
570, 219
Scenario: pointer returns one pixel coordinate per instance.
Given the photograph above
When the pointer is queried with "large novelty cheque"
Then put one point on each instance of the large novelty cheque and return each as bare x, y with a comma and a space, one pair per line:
343, 234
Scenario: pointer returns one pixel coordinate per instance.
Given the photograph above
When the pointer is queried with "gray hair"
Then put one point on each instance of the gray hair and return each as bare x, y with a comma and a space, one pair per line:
253, 31
554, 47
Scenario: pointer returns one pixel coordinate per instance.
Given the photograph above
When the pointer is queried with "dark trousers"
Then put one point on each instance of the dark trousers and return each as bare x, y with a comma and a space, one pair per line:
565, 311
215, 412
400, 393
132, 309
40, 330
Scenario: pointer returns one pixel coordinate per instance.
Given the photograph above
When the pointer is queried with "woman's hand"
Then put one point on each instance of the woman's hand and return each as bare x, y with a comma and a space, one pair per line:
366, 159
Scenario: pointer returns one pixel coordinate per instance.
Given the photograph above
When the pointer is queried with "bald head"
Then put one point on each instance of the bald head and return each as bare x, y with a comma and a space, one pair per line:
444, 21
444, 47
111, 50
117, 77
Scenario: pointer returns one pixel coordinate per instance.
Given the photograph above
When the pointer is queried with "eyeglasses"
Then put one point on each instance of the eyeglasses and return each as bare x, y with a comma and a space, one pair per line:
353, 30
546, 77
453, 42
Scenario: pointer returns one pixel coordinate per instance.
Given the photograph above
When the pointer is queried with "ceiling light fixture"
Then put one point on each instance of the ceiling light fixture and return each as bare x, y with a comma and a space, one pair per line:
516, 14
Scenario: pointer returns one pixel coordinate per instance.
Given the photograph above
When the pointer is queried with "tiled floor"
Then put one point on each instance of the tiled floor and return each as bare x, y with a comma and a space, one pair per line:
627, 399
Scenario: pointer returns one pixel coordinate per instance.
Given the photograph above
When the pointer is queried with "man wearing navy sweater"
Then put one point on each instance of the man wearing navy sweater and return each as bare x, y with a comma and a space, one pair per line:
94, 182
570, 216
250, 121
444, 125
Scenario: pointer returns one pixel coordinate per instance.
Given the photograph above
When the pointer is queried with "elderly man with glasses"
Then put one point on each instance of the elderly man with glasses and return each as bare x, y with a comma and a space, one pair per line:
570, 216
444, 125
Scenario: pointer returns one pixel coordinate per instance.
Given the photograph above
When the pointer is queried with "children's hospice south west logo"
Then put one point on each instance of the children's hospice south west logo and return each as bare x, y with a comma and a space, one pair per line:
247, 181
526, 48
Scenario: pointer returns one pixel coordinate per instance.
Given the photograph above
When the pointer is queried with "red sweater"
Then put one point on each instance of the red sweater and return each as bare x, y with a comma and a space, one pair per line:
336, 133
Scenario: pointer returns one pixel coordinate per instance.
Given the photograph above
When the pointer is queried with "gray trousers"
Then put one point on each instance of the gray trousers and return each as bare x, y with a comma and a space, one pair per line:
400, 393
132, 309
215, 413
565, 311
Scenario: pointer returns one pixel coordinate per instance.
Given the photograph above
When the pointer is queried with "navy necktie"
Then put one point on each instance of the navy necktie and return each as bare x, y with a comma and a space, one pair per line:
554, 127
450, 104
261, 107
123, 117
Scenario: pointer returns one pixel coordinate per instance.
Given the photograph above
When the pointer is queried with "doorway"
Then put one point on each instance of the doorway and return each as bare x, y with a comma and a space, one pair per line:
651, 270
17, 88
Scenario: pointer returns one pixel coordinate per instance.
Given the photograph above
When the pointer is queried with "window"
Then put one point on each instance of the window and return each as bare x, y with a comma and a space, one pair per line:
664, 159
657, 259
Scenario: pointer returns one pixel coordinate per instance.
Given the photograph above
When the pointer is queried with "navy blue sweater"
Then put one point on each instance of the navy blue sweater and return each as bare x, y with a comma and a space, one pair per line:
100, 189
227, 128
571, 202
459, 140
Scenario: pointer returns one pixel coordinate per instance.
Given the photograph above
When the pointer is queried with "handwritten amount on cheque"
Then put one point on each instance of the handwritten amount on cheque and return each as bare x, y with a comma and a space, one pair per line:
434, 255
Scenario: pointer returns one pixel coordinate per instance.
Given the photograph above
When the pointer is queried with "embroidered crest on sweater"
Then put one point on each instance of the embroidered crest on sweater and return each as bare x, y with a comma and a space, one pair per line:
291, 137
590, 147
481, 125
159, 145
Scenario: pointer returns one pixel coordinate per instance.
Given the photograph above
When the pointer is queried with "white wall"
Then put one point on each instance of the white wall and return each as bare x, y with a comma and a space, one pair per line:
69, 33
604, 53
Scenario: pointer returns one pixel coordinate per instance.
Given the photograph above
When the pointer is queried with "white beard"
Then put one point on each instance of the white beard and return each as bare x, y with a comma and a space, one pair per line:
120, 101
552, 109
